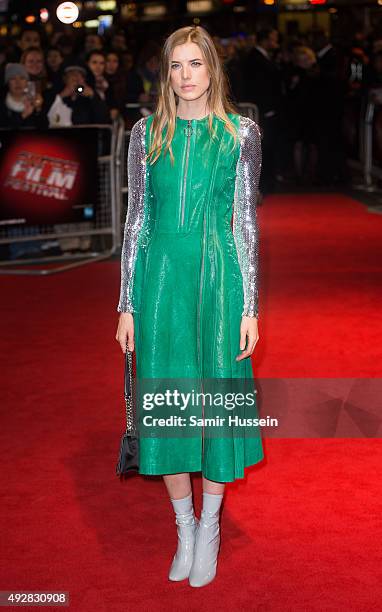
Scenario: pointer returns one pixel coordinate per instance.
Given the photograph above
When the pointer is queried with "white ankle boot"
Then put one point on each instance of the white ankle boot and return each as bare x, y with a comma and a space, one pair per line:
186, 525
203, 569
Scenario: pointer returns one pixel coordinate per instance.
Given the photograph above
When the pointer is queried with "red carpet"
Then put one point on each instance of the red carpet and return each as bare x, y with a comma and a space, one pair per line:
301, 532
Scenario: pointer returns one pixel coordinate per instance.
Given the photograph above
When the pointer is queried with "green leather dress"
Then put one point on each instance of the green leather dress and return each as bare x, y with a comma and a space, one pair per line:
189, 271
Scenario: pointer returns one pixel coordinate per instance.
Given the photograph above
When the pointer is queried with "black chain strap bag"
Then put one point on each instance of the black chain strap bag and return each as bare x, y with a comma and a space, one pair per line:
129, 449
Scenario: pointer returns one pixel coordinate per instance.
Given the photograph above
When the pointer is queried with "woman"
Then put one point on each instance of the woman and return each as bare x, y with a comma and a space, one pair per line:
116, 79
20, 108
34, 62
135, 91
55, 69
148, 68
96, 79
189, 295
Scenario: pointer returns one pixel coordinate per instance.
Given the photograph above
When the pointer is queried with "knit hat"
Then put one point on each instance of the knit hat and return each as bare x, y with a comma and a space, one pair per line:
76, 68
12, 70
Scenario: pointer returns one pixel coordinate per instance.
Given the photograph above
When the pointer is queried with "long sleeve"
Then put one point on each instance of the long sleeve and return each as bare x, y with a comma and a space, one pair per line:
245, 227
137, 213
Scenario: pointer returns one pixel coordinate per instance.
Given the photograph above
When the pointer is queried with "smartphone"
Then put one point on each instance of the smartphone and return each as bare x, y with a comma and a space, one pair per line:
30, 90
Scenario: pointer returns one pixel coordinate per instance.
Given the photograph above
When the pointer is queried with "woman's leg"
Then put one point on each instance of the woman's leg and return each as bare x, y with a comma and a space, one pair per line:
179, 490
207, 542
211, 486
178, 485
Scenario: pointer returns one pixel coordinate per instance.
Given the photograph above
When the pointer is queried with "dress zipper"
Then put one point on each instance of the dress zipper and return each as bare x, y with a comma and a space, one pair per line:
188, 132
199, 322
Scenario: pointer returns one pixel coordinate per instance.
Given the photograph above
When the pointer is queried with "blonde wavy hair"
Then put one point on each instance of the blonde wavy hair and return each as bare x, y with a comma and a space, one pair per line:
217, 96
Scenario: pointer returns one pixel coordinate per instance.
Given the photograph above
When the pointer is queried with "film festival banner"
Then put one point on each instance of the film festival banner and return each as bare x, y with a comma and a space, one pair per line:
48, 177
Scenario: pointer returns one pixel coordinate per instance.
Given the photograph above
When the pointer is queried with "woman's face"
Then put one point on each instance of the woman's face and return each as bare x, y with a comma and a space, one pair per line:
17, 85
119, 42
152, 64
54, 59
112, 63
97, 64
34, 63
127, 61
29, 38
189, 73
92, 41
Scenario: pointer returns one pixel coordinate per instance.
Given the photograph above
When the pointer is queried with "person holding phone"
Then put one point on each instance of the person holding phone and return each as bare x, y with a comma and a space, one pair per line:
21, 106
77, 103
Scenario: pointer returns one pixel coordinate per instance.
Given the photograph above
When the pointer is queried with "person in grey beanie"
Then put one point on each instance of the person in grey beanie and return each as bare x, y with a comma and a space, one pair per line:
21, 106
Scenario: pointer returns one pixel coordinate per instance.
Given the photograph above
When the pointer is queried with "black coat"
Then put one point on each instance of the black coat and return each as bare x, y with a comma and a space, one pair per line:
264, 83
14, 120
85, 110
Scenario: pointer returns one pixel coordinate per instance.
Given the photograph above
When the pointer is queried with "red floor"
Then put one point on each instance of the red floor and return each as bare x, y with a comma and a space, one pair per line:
301, 532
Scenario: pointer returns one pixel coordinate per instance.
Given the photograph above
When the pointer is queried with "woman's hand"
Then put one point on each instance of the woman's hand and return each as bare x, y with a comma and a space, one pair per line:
88, 92
28, 108
248, 328
38, 102
125, 331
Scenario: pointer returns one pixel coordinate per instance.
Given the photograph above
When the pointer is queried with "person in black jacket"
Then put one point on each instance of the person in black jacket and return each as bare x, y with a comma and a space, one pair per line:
77, 103
55, 69
302, 82
331, 98
264, 87
96, 78
21, 107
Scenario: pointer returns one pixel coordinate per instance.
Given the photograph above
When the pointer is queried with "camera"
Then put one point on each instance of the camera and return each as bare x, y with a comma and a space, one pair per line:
79, 90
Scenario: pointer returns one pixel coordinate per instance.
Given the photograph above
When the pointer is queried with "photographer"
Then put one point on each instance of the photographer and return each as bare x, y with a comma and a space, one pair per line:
22, 106
77, 103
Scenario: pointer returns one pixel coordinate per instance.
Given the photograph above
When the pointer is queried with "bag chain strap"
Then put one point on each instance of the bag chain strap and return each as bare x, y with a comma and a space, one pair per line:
130, 425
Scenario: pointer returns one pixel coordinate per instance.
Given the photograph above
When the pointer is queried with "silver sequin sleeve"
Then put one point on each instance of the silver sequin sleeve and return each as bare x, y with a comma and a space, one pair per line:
245, 226
136, 216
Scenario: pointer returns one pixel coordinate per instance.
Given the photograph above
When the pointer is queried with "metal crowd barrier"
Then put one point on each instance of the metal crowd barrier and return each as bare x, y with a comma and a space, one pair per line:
371, 171
366, 163
246, 108
84, 241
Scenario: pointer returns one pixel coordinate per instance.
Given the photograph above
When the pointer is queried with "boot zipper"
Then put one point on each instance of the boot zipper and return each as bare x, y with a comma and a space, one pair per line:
188, 131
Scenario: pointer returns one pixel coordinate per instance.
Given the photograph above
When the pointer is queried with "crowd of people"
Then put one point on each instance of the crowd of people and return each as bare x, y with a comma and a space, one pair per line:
303, 89
67, 81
